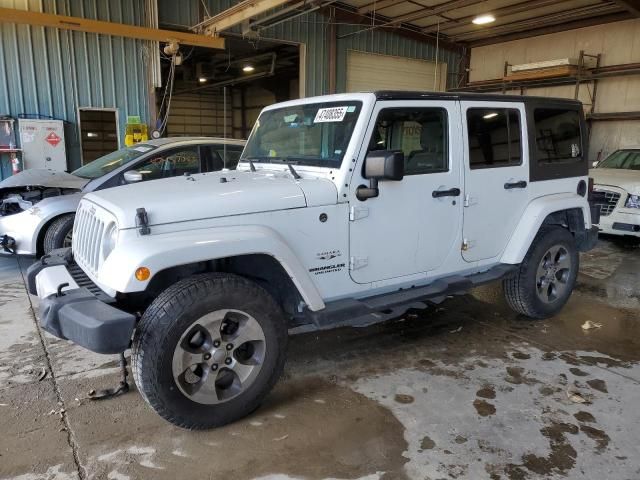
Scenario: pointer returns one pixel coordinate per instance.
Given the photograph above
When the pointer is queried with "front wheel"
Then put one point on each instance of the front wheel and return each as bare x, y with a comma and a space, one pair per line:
547, 275
59, 234
208, 350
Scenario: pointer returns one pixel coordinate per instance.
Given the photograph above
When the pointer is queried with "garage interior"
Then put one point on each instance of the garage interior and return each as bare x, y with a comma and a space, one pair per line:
464, 390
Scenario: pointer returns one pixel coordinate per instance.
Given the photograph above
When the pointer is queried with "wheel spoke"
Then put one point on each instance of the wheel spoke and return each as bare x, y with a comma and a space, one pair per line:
248, 331
242, 370
564, 262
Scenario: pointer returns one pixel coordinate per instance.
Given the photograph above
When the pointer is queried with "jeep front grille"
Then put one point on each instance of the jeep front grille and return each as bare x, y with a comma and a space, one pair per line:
87, 238
611, 199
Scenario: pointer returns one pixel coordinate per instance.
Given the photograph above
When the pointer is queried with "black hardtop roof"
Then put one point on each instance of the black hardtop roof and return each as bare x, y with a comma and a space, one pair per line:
490, 97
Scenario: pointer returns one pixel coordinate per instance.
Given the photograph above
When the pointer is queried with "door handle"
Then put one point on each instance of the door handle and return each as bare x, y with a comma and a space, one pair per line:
453, 192
520, 184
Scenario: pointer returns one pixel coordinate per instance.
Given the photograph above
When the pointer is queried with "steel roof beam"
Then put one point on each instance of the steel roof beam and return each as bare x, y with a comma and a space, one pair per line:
237, 14
546, 30
554, 18
498, 12
11, 15
632, 6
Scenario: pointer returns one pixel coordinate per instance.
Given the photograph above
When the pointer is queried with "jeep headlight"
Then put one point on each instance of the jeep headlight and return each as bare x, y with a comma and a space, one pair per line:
109, 240
633, 201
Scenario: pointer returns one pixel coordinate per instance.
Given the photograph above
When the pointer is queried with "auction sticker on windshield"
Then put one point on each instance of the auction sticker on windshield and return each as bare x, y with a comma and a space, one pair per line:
332, 114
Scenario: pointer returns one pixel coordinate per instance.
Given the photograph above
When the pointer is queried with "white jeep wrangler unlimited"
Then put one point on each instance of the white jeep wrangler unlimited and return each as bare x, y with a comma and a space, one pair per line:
344, 210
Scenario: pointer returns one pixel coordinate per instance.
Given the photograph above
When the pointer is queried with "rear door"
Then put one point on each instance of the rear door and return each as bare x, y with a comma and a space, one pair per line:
496, 172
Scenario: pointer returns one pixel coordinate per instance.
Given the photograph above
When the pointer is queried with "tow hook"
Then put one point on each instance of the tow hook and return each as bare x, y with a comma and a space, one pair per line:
142, 221
8, 244
123, 387
60, 293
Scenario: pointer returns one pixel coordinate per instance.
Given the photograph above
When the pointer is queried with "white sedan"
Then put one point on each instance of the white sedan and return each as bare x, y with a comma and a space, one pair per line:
618, 178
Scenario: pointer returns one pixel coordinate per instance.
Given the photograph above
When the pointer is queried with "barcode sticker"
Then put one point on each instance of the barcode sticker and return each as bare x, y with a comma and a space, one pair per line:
333, 114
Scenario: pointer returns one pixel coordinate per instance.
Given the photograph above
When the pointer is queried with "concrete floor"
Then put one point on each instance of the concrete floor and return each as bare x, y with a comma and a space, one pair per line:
465, 390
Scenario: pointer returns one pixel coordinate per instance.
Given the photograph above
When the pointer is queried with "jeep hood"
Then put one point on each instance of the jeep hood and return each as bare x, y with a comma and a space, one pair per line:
628, 180
212, 195
41, 177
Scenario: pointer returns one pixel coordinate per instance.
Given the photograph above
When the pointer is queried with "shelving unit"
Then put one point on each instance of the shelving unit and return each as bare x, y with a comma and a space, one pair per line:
581, 76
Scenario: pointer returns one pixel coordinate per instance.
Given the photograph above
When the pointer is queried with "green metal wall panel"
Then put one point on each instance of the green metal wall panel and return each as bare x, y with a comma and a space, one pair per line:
52, 72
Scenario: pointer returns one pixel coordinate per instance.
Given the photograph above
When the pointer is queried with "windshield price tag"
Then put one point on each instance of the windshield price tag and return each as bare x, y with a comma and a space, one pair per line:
333, 114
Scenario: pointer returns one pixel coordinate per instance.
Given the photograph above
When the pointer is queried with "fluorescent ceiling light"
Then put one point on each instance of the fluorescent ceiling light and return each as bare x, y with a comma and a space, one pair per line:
490, 115
202, 80
248, 68
483, 19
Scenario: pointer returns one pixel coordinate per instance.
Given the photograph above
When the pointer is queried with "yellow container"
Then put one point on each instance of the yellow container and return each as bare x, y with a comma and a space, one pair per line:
135, 133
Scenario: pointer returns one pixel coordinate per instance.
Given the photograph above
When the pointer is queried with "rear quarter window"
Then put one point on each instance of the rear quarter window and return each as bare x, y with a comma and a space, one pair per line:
557, 143
558, 136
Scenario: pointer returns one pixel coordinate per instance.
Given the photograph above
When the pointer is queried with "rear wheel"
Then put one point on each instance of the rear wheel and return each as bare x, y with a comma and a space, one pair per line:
59, 234
547, 275
208, 350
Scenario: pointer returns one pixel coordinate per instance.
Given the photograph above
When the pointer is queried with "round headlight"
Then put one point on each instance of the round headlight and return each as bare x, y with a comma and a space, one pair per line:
109, 240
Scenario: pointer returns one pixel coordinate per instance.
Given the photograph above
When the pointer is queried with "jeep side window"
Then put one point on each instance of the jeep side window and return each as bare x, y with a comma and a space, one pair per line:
494, 137
420, 133
170, 163
557, 135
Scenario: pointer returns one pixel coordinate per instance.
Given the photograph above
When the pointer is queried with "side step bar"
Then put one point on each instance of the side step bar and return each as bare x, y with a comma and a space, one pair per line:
367, 311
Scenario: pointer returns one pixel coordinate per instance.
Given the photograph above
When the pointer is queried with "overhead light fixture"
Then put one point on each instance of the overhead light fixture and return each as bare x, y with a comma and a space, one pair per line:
490, 115
483, 19
202, 80
248, 68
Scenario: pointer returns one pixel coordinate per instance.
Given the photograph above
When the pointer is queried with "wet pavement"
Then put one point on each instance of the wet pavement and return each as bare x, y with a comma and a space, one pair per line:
465, 390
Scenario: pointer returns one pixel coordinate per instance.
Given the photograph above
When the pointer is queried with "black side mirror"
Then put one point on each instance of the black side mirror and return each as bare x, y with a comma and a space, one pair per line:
380, 165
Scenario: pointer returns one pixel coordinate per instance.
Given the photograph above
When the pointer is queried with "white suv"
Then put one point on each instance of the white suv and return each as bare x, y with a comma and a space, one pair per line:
345, 210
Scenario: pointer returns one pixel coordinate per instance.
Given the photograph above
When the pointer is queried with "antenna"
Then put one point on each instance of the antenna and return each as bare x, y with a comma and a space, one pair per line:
224, 126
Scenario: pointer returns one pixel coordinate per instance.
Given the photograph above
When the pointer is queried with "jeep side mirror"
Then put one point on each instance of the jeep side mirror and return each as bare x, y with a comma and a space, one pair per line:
132, 176
380, 165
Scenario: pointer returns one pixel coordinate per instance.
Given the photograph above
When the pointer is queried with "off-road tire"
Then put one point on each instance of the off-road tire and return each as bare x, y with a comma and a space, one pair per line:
166, 319
56, 232
520, 288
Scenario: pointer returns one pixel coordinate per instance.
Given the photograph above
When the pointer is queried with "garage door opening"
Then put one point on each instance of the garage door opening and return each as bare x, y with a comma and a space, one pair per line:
98, 132
251, 75
371, 71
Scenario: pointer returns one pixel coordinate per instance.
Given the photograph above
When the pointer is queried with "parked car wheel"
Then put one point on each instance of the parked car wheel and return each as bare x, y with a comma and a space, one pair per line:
59, 234
208, 350
547, 275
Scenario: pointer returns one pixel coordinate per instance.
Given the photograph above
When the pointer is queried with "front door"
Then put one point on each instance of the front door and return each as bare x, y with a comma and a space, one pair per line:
413, 225
496, 176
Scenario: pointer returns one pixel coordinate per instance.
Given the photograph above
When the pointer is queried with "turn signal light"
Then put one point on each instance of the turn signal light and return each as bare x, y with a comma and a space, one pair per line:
143, 274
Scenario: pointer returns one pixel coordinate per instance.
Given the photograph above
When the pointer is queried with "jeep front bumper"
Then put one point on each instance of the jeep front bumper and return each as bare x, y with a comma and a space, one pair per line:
70, 311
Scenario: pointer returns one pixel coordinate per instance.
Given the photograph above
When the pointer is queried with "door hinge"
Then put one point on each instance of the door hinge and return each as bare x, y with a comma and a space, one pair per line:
465, 245
467, 200
356, 263
356, 213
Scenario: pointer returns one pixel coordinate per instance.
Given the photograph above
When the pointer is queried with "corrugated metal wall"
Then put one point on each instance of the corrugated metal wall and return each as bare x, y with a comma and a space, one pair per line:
53, 72
312, 30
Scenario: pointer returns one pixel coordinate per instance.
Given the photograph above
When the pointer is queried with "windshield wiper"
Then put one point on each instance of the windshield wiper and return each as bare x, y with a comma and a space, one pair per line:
293, 172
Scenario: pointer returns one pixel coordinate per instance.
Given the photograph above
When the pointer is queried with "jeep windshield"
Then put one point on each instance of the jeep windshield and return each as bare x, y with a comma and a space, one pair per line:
622, 160
315, 134
111, 161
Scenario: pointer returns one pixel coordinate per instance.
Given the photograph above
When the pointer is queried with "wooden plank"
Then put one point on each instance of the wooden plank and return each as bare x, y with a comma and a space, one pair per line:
12, 15
561, 71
